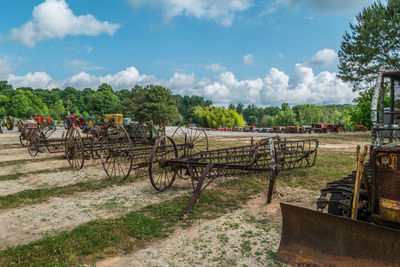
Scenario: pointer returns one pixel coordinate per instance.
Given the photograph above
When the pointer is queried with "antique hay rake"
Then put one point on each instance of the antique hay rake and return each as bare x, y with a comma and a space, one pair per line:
37, 139
126, 149
266, 156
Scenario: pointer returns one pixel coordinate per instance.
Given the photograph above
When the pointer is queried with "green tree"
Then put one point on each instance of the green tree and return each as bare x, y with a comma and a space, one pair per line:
286, 117
154, 103
104, 101
252, 120
58, 111
104, 87
19, 104
372, 45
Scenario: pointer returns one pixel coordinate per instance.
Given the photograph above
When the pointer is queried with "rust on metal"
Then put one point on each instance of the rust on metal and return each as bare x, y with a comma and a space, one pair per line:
312, 238
266, 156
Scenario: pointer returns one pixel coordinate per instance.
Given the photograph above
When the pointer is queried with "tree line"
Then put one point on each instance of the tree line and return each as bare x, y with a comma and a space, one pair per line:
160, 105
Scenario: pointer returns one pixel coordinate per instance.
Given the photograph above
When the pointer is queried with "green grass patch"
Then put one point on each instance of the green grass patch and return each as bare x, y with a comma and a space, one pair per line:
33, 196
17, 175
20, 161
106, 237
328, 167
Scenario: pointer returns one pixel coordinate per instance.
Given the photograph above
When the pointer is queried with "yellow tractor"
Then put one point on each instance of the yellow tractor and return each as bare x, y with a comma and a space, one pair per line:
357, 220
118, 119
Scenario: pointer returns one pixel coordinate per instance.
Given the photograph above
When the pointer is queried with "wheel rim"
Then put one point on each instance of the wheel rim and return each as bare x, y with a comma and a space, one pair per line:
190, 139
74, 149
162, 175
33, 143
116, 151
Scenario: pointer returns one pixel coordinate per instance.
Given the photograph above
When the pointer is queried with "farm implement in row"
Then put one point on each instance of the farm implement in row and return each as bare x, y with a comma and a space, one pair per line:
270, 156
134, 148
122, 149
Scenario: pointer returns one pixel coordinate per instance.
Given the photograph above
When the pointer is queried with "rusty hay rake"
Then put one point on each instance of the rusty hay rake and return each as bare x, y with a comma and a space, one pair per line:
266, 156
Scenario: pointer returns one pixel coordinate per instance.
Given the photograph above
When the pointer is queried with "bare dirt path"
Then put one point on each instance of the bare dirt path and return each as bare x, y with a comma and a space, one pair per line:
29, 223
246, 237
28, 167
52, 179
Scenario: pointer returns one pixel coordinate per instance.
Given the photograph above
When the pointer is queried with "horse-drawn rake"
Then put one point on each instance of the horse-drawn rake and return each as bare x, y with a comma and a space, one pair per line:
126, 150
37, 139
267, 156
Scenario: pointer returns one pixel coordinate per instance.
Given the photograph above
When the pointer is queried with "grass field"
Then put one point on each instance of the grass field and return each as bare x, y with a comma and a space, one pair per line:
52, 216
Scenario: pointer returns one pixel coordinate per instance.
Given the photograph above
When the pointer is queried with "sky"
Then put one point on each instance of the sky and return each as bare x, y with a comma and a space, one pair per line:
229, 51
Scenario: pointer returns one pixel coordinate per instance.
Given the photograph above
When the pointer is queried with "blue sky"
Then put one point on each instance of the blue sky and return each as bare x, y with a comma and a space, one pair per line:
229, 51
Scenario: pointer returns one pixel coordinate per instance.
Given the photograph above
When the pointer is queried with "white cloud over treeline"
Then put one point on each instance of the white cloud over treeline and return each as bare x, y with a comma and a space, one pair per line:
54, 19
273, 88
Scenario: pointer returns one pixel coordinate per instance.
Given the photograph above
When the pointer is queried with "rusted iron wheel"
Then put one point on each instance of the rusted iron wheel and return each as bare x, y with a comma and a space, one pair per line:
74, 148
193, 140
34, 141
23, 137
190, 140
116, 151
145, 133
162, 175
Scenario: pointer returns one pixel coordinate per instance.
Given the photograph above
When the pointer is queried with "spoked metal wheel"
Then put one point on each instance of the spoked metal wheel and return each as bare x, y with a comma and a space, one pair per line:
162, 175
33, 142
74, 149
145, 133
116, 151
23, 137
189, 140
36, 142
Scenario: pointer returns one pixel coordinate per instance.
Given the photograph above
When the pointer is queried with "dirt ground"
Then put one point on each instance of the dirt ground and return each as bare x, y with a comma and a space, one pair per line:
246, 237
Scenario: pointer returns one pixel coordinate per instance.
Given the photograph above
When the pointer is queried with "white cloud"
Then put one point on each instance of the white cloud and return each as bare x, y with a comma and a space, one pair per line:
248, 59
222, 11
34, 80
124, 79
273, 89
5, 68
281, 55
215, 67
54, 19
81, 65
324, 57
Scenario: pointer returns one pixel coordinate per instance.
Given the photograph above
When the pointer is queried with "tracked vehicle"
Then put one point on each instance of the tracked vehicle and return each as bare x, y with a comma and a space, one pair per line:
357, 221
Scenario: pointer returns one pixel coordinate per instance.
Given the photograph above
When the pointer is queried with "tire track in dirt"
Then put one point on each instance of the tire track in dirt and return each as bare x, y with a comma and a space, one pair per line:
52, 179
29, 167
23, 225
245, 237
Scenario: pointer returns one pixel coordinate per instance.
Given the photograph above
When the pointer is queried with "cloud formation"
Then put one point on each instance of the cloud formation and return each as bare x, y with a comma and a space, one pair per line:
272, 89
324, 57
5, 68
54, 19
215, 67
33, 80
248, 59
77, 64
221, 11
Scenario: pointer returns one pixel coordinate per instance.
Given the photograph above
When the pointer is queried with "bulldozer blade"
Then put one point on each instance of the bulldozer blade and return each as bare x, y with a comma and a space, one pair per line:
312, 238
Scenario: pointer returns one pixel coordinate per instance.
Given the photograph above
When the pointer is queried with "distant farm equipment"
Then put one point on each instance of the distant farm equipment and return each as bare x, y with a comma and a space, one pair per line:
360, 128
71, 120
